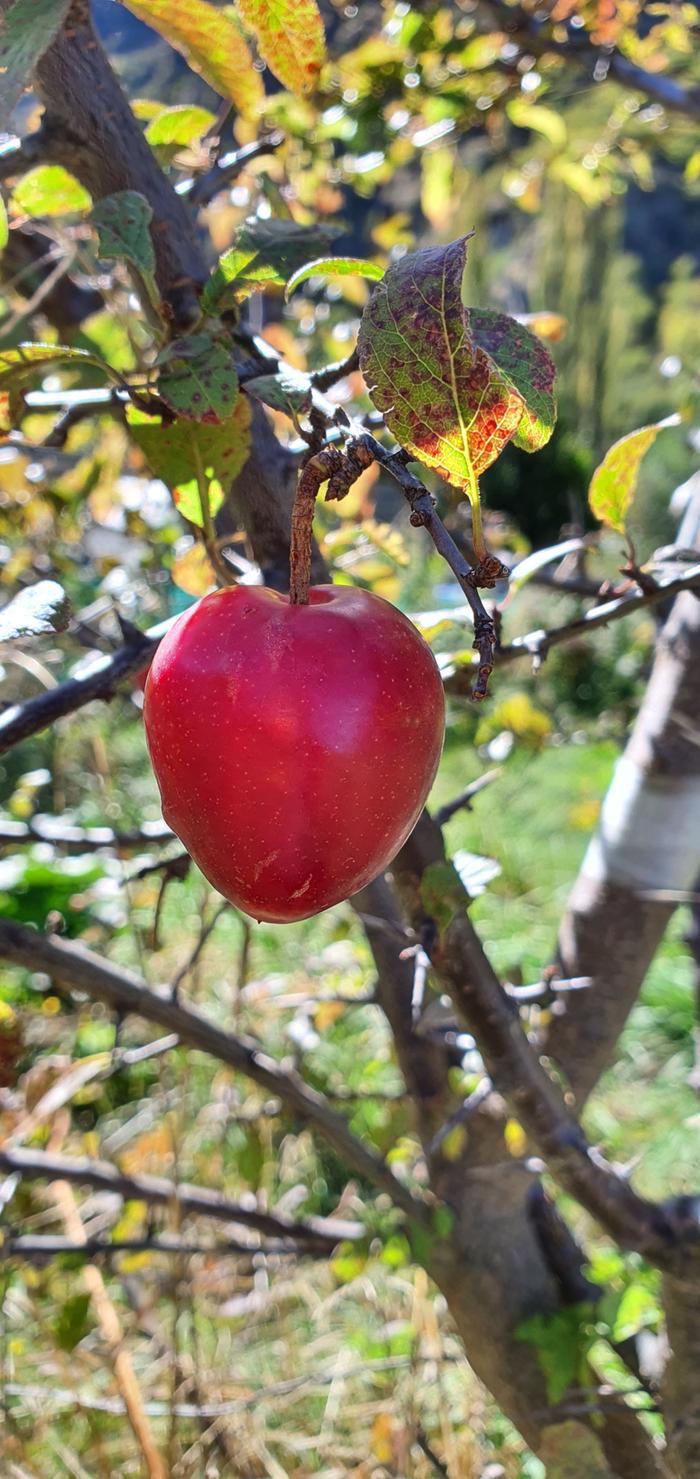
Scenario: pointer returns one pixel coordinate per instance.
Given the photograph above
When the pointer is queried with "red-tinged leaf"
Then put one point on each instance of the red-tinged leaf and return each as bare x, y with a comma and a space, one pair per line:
440, 393
26, 30
523, 358
210, 42
614, 482
334, 267
290, 38
201, 388
176, 451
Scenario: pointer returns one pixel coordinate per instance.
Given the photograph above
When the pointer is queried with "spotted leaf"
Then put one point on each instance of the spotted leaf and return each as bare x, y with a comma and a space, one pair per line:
202, 387
520, 355
178, 451
440, 393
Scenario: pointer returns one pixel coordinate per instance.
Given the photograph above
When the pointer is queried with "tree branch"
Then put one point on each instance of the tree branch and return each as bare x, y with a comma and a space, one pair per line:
664, 1235
123, 992
321, 1234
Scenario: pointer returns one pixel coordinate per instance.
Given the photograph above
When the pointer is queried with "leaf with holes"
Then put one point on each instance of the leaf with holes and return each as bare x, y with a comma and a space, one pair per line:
290, 38
614, 482
26, 30
440, 393
334, 267
200, 388
211, 43
263, 253
176, 451
522, 357
49, 190
122, 223
289, 391
39, 609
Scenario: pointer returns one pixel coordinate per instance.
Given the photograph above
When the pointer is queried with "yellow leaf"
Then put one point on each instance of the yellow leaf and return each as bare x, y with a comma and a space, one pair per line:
193, 571
382, 1437
454, 1143
211, 44
614, 482
515, 1138
290, 38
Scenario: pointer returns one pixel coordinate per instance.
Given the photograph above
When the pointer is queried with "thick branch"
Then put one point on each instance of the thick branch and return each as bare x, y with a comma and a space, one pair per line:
89, 127
317, 1232
123, 992
429, 885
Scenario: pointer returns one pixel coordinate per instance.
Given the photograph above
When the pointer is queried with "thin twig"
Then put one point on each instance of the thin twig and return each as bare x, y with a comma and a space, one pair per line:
200, 1201
465, 798
124, 992
201, 189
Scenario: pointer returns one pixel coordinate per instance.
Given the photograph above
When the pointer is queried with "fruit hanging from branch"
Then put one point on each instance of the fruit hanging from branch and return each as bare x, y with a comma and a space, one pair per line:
294, 745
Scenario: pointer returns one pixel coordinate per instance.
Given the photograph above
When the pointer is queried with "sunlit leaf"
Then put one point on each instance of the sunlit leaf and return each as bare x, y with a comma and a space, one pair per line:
39, 609
122, 222
436, 191
179, 126
49, 190
263, 252
546, 325
542, 120
451, 382
334, 267
27, 28
523, 357
290, 38
188, 500
211, 44
201, 388
4, 225
176, 450
20, 363
614, 483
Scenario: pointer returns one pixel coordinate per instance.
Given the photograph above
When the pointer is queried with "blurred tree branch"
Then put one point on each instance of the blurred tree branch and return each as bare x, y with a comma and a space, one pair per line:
318, 1234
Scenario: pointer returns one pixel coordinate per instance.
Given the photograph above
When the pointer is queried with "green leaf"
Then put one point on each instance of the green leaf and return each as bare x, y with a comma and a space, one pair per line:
39, 609
72, 1323
49, 190
441, 394
637, 1308
290, 38
176, 451
263, 252
202, 387
614, 482
4, 226
289, 391
179, 126
122, 222
561, 1341
19, 364
334, 267
542, 120
521, 356
211, 43
26, 30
